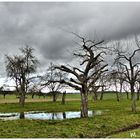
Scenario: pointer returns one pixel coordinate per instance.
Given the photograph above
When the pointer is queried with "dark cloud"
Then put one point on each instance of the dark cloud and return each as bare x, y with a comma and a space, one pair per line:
42, 25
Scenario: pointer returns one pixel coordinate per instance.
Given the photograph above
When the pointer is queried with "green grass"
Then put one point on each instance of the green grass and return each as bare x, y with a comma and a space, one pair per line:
118, 116
128, 134
13, 99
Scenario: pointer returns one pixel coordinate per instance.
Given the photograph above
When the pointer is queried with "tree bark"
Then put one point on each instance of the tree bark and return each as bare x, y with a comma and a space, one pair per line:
102, 93
22, 91
131, 96
101, 97
117, 95
4, 95
84, 105
63, 98
22, 100
127, 94
94, 96
33, 96
138, 95
54, 97
133, 105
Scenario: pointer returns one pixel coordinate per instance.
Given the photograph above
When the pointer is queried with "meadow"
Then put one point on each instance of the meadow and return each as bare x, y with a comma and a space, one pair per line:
117, 122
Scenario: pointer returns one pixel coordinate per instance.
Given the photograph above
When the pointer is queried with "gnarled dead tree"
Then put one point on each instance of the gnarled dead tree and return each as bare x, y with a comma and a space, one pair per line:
90, 69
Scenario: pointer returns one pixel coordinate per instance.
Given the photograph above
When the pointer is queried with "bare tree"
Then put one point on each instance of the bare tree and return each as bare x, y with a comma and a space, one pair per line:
19, 68
137, 86
114, 81
94, 93
63, 98
49, 78
131, 69
84, 78
34, 86
126, 89
104, 83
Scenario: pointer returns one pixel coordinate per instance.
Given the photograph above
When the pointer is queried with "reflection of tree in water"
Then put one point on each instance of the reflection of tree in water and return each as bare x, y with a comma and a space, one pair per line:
58, 116
21, 116
55, 115
64, 115
52, 116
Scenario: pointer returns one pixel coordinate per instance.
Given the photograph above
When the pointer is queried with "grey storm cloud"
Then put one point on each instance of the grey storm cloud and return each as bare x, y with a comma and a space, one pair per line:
44, 26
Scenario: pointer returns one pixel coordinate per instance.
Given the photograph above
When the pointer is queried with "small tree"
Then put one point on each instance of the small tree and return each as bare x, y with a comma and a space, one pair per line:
35, 88
2, 91
19, 68
49, 78
63, 98
104, 83
126, 89
85, 77
114, 81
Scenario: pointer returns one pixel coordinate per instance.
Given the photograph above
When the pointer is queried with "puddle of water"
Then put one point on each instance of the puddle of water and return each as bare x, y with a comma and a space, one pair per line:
46, 116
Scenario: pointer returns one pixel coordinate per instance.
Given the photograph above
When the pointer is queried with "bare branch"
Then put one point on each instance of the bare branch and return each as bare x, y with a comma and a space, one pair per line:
134, 53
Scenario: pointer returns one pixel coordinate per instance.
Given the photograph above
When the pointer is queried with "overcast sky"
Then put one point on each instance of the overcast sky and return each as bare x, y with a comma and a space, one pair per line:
43, 26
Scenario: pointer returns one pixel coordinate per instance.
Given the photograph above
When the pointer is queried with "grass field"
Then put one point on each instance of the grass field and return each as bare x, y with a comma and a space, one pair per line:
110, 124
69, 97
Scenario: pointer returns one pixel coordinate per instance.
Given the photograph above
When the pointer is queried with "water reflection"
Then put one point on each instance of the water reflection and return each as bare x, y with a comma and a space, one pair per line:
21, 115
64, 115
45, 115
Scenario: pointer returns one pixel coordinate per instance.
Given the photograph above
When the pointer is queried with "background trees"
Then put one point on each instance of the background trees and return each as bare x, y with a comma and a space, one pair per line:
19, 68
104, 83
49, 79
35, 87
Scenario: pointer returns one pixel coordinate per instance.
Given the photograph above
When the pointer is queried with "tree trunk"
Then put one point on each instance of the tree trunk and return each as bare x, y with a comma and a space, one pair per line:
94, 96
22, 92
127, 94
133, 103
101, 97
54, 97
131, 96
84, 105
102, 93
33, 96
138, 95
22, 100
120, 87
133, 106
117, 95
4, 96
63, 98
